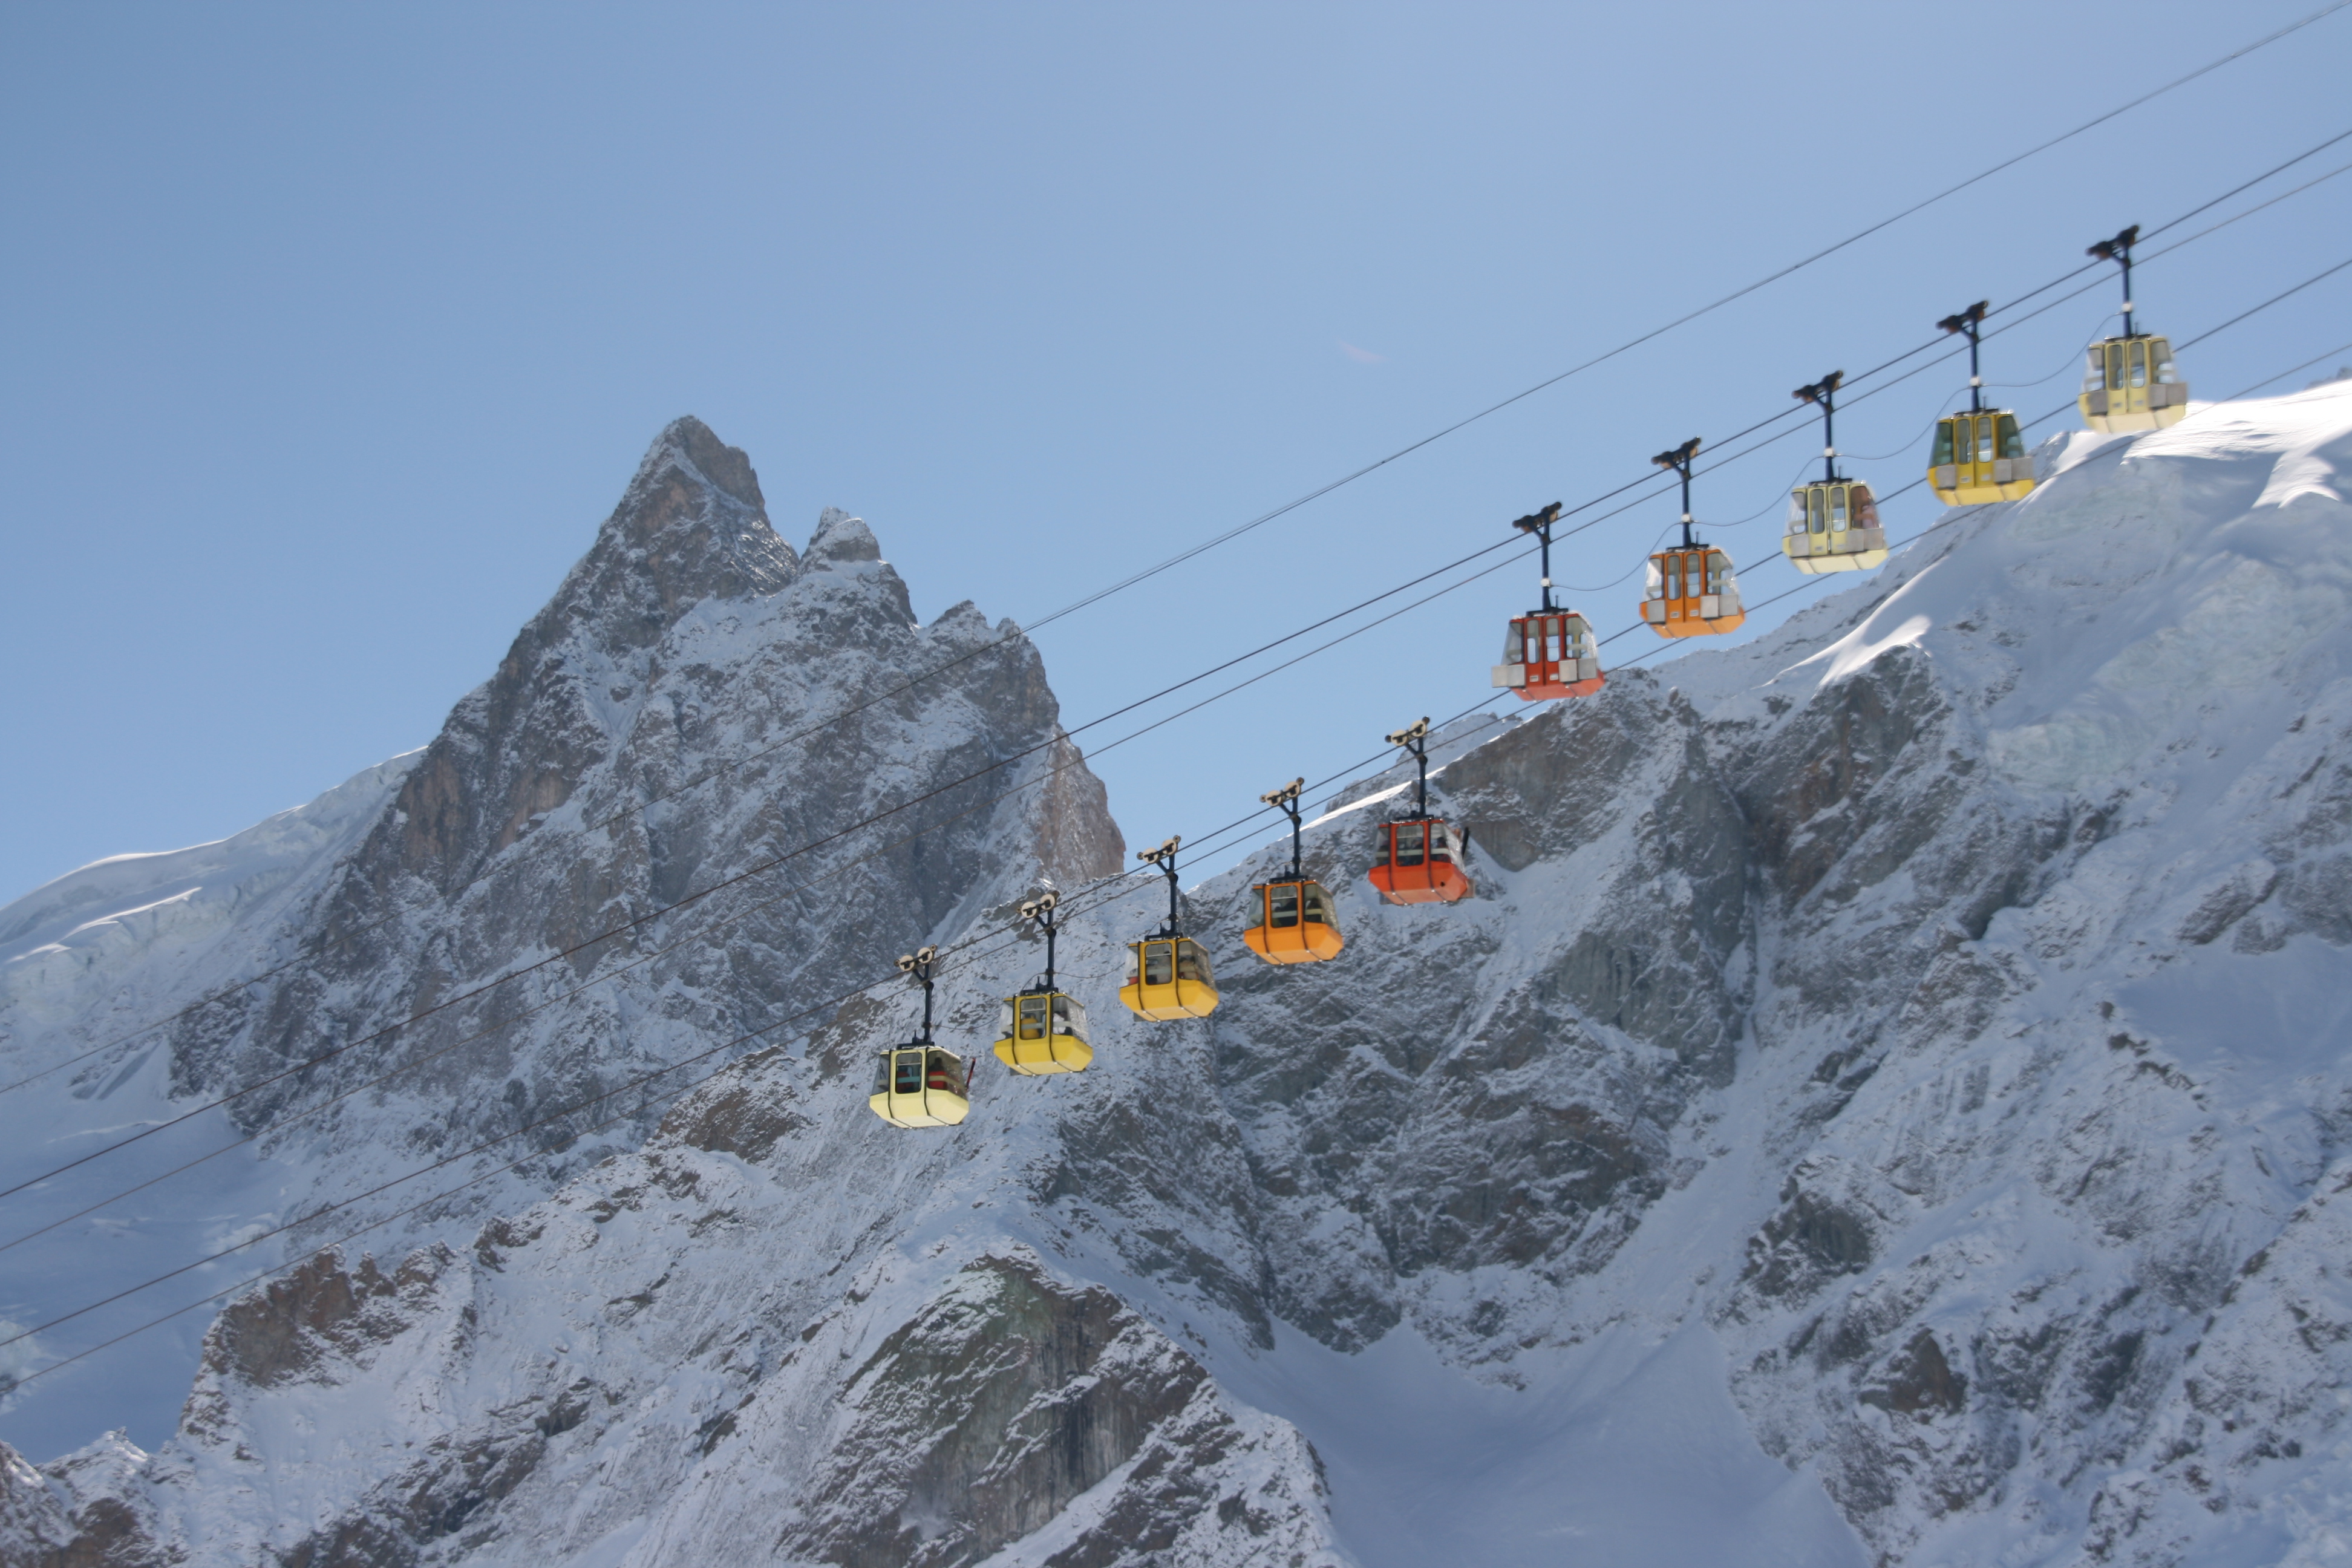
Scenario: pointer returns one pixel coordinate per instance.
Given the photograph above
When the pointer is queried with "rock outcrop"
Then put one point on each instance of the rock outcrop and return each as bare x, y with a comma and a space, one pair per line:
713, 786
1887, 1101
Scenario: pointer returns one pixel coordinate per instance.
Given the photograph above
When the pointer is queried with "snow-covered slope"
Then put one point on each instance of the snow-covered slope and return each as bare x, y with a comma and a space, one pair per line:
638, 746
1887, 1103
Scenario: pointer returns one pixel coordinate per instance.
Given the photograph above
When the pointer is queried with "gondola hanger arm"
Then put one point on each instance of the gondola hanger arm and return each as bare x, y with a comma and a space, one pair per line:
1409, 734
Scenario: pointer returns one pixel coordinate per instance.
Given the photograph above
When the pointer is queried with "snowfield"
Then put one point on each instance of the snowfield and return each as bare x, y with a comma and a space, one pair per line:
1889, 1102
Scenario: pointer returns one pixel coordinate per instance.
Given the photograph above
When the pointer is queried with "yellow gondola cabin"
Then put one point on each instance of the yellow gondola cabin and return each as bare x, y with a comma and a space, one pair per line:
1834, 527
2131, 382
1293, 923
920, 1084
1290, 919
1980, 458
1168, 973
1832, 521
1043, 1030
1168, 977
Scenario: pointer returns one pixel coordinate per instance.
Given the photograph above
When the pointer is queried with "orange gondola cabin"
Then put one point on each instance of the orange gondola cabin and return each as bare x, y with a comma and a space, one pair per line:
1692, 594
1421, 863
1690, 590
1424, 864
1548, 652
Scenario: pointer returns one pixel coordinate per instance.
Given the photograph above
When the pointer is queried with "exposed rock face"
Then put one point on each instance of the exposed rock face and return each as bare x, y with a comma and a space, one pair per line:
668, 732
648, 738
83, 1512
1890, 1085
891, 1411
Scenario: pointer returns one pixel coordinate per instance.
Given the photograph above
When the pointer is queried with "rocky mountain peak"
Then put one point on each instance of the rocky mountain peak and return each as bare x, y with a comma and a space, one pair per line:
687, 442
841, 538
691, 526
701, 776
1885, 1102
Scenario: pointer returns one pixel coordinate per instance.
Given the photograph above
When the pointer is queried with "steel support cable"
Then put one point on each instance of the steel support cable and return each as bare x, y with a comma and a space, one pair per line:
1954, 353
1663, 486
2027, 425
2311, 151
2192, 343
670, 1095
1315, 494
726, 882
1591, 522
1074, 901
771, 863
701, 935
770, 1027
309, 952
2315, 359
2249, 212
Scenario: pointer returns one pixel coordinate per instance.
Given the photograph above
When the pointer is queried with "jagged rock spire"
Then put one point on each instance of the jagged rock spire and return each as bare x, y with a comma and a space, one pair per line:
691, 526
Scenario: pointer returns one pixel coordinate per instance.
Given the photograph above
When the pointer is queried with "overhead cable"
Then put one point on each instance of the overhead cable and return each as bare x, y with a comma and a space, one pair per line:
1301, 500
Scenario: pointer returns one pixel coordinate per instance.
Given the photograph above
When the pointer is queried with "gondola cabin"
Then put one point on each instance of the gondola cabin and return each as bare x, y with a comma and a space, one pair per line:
1692, 594
1168, 977
1423, 865
1292, 923
1834, 527
2131, 384
1042, 1032
921, 1086
1550, 654
1980, 458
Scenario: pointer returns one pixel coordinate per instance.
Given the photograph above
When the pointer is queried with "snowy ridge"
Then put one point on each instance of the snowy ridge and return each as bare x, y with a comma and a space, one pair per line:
634, 747
1887, 1101
84, 956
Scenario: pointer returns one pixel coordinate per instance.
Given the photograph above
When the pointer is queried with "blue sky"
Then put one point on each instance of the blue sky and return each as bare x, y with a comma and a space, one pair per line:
333, 333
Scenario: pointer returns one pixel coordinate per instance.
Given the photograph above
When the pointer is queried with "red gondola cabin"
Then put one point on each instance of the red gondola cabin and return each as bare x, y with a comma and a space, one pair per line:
1548, 654
1422, 864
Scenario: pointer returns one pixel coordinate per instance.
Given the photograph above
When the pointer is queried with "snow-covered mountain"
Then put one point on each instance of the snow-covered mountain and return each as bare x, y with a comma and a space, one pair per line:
1887, 1103
641, 743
